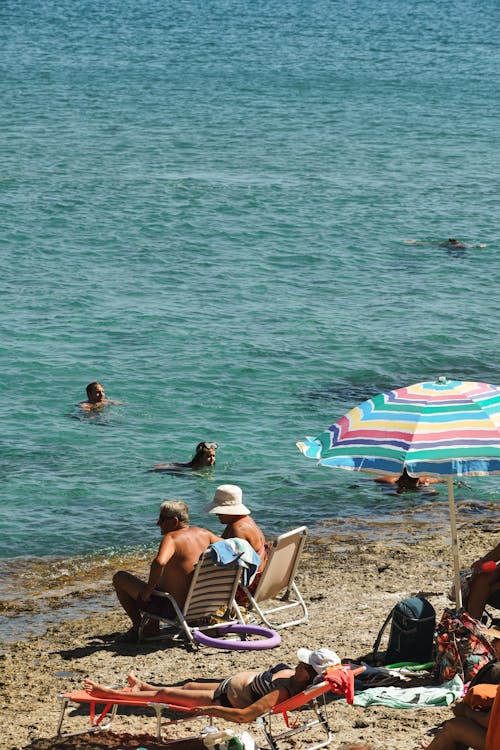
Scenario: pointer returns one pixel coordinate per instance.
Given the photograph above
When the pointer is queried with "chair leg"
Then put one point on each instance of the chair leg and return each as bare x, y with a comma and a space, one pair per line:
264, 722
64, 704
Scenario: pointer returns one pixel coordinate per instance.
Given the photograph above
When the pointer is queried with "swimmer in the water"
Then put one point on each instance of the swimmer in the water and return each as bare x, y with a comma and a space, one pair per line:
204, 457
96, 398
406, 483
450, 244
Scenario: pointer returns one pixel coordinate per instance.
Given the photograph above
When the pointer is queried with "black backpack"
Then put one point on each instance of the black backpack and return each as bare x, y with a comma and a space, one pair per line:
411, 638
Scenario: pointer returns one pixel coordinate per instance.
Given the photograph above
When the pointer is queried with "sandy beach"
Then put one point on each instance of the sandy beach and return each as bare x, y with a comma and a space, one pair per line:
349, 586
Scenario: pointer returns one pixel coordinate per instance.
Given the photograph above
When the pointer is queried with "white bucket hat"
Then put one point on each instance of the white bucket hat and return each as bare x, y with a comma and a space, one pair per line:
319, 659
228, 501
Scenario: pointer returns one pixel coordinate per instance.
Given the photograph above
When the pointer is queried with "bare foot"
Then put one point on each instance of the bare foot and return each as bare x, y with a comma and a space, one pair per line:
91, 686
134, 682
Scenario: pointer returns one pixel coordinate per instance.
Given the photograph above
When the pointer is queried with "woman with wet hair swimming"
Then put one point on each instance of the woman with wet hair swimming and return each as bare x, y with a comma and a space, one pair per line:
204, 456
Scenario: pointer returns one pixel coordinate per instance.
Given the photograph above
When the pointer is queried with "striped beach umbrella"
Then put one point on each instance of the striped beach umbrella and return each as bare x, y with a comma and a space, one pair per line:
446, 428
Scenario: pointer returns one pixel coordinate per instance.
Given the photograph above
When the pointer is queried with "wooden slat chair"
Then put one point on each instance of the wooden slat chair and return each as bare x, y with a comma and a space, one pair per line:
211, 597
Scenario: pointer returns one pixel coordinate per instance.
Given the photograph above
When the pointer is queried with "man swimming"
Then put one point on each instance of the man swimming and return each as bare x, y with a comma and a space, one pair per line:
96, 398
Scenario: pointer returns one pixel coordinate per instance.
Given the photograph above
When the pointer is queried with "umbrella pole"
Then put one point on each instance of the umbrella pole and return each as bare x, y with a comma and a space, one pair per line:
454, 544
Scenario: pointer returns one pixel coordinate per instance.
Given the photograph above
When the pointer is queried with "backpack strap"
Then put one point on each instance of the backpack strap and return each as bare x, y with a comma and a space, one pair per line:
381, 632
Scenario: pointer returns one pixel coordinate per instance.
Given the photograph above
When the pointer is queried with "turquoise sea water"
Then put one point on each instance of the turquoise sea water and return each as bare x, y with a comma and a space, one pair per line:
207, 206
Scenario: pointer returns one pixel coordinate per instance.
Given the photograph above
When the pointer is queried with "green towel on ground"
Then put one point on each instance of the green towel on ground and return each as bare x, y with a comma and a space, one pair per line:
394, 697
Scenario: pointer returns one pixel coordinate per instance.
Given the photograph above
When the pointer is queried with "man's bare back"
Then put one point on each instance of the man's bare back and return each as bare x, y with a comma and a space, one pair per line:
172, 568
188, 544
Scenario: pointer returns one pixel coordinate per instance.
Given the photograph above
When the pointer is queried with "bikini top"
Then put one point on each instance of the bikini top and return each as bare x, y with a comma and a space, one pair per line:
262, 683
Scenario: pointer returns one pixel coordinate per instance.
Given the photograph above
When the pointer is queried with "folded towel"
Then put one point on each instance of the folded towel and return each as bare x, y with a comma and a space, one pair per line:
229, 550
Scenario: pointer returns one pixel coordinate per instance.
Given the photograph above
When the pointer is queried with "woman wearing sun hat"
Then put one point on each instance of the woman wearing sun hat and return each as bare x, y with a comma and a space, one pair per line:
228, 506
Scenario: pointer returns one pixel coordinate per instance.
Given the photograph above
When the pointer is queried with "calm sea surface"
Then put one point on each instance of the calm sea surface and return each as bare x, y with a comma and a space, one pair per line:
208, 207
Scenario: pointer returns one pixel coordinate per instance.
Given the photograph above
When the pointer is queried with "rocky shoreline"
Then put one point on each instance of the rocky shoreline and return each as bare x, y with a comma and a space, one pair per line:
349, 589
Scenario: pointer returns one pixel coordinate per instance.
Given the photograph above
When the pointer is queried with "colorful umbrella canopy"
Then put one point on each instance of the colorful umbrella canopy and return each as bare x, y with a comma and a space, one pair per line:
443, 428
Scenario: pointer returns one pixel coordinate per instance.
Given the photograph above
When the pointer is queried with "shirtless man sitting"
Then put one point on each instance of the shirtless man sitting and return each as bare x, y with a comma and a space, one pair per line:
228, 506
204, 456
171, 569
96, 398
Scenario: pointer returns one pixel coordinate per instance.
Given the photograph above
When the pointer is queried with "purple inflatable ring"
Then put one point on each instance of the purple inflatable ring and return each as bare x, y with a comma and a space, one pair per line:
271, 638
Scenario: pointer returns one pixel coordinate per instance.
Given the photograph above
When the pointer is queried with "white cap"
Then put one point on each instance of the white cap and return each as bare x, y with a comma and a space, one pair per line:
319, 659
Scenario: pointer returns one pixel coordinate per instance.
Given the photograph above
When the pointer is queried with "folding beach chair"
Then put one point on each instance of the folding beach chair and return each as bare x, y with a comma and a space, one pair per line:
336, 679
315, 695
102, 711
209, 601
279, 575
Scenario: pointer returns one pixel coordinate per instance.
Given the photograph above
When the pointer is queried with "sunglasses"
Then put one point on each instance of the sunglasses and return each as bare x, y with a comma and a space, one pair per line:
206, 447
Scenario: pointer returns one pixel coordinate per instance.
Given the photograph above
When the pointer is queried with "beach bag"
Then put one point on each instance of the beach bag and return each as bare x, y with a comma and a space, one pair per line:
411, 638
461, 647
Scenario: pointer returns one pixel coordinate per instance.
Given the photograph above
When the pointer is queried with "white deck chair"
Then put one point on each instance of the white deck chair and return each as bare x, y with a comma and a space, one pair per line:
279, 575
211, 592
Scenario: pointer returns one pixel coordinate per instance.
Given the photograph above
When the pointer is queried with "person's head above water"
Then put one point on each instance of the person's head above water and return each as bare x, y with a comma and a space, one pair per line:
95, 397
406, 482
453, 244
95, 392
204, 455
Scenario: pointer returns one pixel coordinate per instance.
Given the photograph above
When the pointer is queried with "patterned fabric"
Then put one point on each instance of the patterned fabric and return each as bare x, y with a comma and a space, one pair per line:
462, 647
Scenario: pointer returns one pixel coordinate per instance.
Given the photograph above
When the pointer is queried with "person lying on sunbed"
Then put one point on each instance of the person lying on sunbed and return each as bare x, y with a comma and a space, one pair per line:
241, 698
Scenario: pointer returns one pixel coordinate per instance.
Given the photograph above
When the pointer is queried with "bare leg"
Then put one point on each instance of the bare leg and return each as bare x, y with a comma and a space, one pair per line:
128, 587
200, 685
192, 697
480, 589
101, 691
459, 734
136, 684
